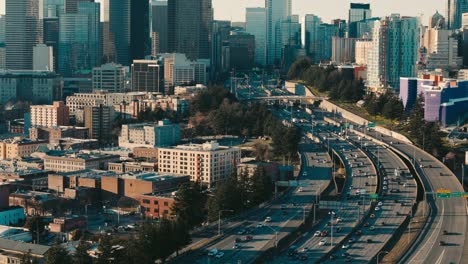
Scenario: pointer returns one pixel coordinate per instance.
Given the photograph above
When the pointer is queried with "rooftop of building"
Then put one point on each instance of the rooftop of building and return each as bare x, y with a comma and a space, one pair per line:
21, 247
23, 141
90, 174
164, 122
209, 146
19, 170
150, 176
27, 73
82, 156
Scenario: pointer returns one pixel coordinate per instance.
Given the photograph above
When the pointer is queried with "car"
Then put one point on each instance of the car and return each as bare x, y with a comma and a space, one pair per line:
219, 255
338, 230
384, 188
241, 232
267, 219
238, 240
372, 228
259, 225
445, 232
322, 242
345, 255
213, 252
345, 246
317, 234
372, 216
369, 240
358, 232
324, 233
283, 206
366, 224
305, 249
332, 257
379, 204
339, 219
377, 208
236, 246
442, 243
292, 251
300, 189
248, 238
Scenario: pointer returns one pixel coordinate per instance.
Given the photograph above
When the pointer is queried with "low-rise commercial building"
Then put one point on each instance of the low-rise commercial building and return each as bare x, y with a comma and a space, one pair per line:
58, 182
12, 251
149, 135
67, 224
270, 169
156, 206
17, 147
23, 177
13, 215
54, 134
126, 167
33, 202
78, 162
205, 163
148, 153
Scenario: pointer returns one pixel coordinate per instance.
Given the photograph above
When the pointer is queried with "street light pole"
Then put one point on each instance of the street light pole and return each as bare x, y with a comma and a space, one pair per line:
378, 255
219, 219
331, 213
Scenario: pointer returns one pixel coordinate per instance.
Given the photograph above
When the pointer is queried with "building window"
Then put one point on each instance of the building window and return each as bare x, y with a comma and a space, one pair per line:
166, 204
146, 201
155, 201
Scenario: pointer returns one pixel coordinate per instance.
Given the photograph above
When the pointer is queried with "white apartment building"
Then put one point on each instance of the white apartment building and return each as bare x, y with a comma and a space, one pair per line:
206, 163
363, 48
149, 135
81, 100
109, 77
178, 70
50, 115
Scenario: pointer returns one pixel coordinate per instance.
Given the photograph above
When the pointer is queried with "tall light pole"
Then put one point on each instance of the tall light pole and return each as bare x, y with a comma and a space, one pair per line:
219, 219
378, 255
332, 214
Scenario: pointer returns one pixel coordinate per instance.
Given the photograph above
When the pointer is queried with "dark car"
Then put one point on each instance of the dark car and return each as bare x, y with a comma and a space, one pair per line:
445, 232
358, 232
238, 240
442, 243
369, 240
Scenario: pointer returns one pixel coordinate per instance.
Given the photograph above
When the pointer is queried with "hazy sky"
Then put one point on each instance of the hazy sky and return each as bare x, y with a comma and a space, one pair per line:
326, 9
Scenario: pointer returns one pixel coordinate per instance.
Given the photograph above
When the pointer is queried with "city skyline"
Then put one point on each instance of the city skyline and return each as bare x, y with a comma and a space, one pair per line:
235, 10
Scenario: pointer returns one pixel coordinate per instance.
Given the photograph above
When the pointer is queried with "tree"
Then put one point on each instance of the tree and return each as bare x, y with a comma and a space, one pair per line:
298, 67
189, 204
262, 186
105, 255
416, 122
27, 258
393, 108
57, 255
81, 255
36, 226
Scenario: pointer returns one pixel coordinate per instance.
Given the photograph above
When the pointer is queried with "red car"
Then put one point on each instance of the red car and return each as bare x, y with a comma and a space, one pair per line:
324, 233
248, 238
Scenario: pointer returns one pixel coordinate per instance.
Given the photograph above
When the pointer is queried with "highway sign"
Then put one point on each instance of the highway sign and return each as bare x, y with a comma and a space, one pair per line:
443, 191
444, 195
457, 194
371, 125
374, 196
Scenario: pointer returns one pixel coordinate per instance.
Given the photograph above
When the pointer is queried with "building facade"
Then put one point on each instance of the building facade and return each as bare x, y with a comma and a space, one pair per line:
159, 26
78, 162
147, 76
18, 148
256, 25
109, 77
206, 163
162, 134
43, 58
53, 115
99, 120
276, 12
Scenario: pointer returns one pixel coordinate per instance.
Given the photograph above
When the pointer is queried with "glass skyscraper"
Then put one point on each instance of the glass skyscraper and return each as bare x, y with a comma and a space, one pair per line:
357, 12
455, 9
276, 12
255, 19
311, 36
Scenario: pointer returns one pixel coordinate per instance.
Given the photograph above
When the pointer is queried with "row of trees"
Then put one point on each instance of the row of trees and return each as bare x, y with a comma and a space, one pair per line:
240, 192
387, 105
216, 111
341, 85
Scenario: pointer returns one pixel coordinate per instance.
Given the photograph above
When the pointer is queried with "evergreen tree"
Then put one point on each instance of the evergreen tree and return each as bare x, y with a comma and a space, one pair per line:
189, 204
81, 255
57, 255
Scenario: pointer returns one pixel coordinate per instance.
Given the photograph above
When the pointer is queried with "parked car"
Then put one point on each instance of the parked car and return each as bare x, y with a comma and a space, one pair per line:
322, 242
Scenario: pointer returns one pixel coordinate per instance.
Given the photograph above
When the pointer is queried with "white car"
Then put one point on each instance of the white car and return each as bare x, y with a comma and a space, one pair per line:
385, 188
259, 225
322, 242
345, 246
377, 208
372, 228
317, 234
380, 204
267, 219
213, 252
219, 255
385, 183
339, 219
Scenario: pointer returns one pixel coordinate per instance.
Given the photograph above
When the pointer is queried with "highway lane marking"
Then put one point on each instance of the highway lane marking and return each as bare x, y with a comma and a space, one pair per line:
435, 232
439, 260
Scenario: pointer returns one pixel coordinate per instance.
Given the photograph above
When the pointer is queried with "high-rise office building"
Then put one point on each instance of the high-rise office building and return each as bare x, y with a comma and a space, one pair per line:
440, 50
276, 12
159, 25
311, 36
79, 40
99, 120
189, 27
437, 21
291, 31
119, 27
53, 8
220, 33
255, 19
455, 9
357, 12
71, 6
394, 51
109, 77
107, 37
140, 44
51, 37
23, 31
326, 32
43, 58
147, 76
2, 29
241, 48
343, 50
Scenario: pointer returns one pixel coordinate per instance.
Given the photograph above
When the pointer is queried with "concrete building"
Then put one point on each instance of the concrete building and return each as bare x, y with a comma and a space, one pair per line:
343, 50
51, 36
363, 48
179, 70
147, 76
159, 25
33, 202
241, 55
23, 31
99, 120
271, 169
13, 148
255, 19
88, 178
67, 224
109, 77
13, 251
78, 162
156, 206
53, 115
2, 57
148, 153
43, 58
162, 134
440, 50
127, 167
55, 134
31, 86
205, 163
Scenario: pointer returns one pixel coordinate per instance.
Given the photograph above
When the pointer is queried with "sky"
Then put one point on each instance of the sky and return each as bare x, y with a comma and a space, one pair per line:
329, 9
